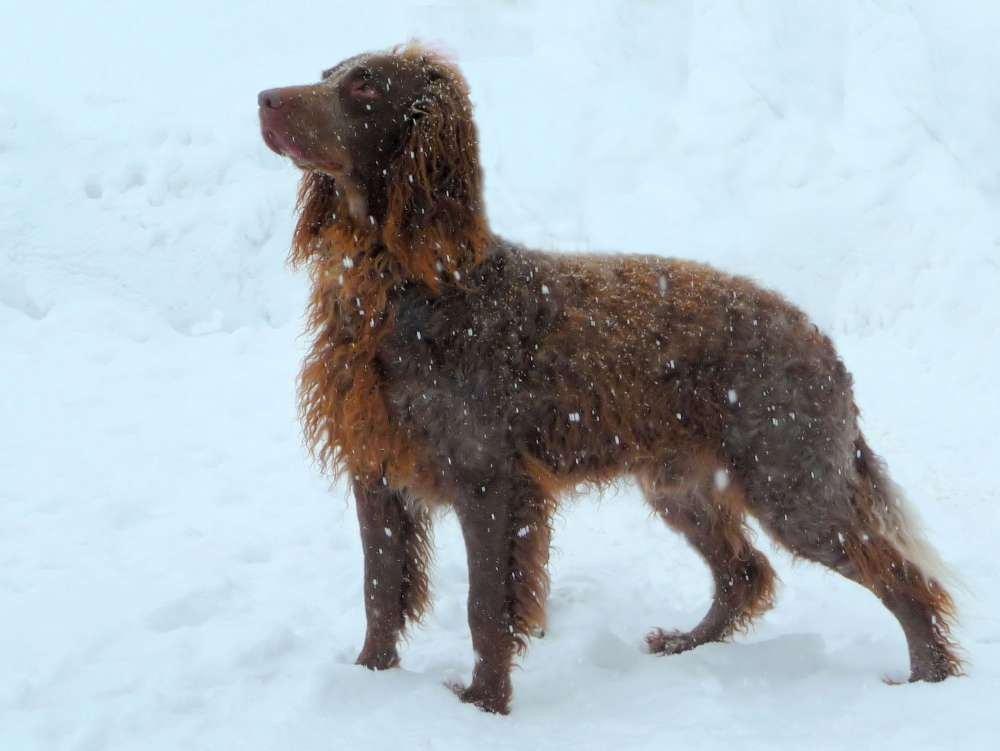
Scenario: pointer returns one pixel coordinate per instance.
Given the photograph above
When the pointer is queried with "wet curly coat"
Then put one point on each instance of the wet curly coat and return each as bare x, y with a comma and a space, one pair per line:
452, 367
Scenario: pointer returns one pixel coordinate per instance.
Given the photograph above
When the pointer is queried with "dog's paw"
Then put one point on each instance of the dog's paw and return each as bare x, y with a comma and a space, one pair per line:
488, 700
378, 659
662, 642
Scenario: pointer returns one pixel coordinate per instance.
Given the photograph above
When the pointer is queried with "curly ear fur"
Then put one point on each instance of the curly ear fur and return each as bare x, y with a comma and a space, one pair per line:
435, 223
317, 207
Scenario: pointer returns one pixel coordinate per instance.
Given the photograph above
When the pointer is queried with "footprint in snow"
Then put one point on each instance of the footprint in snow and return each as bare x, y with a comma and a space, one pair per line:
193, 609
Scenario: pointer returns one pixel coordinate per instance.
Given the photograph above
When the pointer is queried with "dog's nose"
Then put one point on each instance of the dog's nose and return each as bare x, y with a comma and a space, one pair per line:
270, 99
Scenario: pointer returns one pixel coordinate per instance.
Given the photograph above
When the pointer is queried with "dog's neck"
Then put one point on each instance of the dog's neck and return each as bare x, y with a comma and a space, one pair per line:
338, 234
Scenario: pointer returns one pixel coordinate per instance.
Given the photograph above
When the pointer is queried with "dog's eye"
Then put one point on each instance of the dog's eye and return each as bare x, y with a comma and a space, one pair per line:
363, 91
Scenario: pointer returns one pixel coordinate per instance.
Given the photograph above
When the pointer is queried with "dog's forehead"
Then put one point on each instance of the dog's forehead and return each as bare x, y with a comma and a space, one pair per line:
380, 62
343, 66
394, 67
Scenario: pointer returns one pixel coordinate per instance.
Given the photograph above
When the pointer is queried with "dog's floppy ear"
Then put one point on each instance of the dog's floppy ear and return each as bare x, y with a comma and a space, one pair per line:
435, 224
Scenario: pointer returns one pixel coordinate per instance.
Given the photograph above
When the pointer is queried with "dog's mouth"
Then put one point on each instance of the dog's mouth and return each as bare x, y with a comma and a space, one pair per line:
272, 141
285, 146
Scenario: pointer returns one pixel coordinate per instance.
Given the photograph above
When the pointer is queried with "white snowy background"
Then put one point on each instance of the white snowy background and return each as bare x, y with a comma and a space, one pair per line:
173, 572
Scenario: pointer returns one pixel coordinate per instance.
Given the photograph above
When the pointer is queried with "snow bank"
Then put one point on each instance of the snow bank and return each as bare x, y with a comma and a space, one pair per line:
174, 574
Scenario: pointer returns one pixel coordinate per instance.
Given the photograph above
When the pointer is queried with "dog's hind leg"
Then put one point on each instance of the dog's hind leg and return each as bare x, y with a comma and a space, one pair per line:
856, 523
707, 509
396, 539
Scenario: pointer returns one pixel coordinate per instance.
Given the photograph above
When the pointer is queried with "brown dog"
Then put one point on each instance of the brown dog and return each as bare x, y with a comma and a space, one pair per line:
450, 366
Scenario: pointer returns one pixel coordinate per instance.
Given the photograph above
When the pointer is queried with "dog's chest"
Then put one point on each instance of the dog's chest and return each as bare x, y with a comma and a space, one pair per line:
453, 367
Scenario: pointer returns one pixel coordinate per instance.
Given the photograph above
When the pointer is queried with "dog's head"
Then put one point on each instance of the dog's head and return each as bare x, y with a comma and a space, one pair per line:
388, 142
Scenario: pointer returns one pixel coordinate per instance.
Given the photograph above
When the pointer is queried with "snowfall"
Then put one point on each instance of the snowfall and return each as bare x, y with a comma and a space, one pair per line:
176, 574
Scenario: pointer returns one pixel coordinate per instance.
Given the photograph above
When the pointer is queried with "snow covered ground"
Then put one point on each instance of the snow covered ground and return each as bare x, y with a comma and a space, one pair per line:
173, 572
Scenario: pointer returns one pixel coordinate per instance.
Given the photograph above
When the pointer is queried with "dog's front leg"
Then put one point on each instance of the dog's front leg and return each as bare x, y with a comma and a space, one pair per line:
485, 520
396, 543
